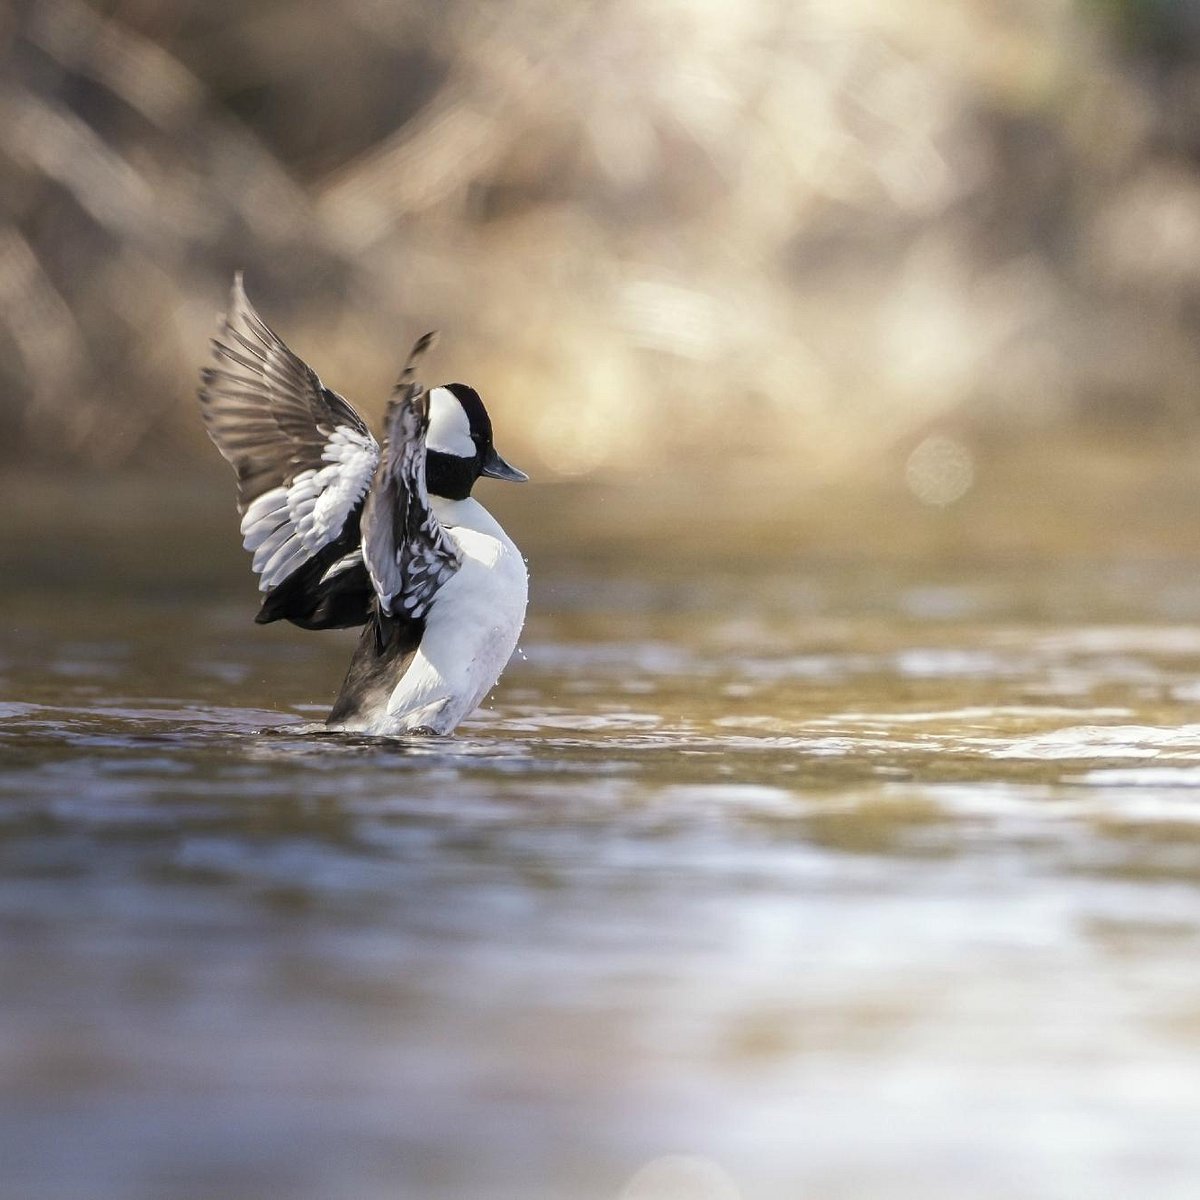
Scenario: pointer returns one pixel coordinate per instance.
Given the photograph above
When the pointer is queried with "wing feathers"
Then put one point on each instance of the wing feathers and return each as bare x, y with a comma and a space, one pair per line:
308, 469
407, 554
304, 458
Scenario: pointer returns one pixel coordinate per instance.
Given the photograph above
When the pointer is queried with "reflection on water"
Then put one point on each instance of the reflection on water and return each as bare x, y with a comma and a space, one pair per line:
797, 882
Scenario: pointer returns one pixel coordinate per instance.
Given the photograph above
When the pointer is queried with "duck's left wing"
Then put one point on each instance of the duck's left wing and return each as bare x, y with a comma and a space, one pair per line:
408, 555
304, 458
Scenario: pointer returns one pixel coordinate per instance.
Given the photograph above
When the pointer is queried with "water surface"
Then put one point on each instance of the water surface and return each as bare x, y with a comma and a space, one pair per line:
822, 878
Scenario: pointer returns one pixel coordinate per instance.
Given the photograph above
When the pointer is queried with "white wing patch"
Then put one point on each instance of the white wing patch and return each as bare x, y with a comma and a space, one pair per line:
354, 558
286, 526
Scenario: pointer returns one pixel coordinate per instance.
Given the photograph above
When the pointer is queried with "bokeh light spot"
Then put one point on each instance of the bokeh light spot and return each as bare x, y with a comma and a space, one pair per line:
681, 1177
940, 470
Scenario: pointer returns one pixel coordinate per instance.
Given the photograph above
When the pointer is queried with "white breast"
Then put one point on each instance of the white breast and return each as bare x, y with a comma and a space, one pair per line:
472, 627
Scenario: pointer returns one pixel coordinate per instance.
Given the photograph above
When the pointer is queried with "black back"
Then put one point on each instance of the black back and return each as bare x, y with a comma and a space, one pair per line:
339, 603
385, 648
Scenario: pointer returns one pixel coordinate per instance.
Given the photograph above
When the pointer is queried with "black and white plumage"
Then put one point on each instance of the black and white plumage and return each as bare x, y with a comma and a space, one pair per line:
407, 555
343, 533
304, 461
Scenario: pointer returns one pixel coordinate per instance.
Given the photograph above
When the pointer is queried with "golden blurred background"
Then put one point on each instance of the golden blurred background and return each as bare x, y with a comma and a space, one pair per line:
834, 239
839, 835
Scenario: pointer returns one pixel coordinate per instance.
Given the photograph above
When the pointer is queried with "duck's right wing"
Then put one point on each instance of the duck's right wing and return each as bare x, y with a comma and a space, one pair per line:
304, 458
408, 555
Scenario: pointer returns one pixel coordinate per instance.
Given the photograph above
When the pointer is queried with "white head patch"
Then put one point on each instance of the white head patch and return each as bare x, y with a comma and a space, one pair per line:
449, 429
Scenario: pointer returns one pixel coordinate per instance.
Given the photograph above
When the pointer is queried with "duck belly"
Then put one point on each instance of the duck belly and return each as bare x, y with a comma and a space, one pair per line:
471, 631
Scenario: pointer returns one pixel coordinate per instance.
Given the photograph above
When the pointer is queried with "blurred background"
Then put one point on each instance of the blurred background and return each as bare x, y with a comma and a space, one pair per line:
658, 237
836, 832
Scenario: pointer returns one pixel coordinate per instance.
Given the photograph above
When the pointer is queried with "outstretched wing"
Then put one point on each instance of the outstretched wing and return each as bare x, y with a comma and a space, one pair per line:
408, 555
304, 458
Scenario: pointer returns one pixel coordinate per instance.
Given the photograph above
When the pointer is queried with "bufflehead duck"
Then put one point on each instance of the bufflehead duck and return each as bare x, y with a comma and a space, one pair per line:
345, 533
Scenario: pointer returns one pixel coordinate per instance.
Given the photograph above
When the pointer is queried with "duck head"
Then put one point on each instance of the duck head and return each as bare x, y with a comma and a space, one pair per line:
458, 444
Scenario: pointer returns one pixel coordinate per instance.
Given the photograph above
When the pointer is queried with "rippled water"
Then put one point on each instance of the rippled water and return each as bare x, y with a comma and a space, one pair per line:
793, 879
